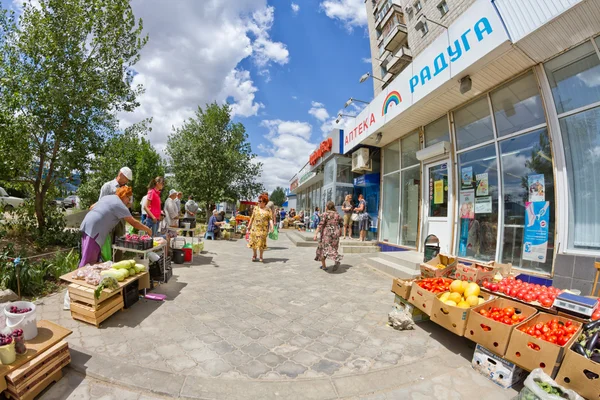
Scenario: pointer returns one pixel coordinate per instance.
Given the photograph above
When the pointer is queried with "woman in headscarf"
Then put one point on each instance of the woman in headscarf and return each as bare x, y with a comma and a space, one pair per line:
261, 223
328, 234
100, 221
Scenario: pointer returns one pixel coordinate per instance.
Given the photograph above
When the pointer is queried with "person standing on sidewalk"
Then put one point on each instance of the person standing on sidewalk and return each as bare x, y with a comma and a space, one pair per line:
171, 210
191, 208
153, 203
328, 234
143, 207
109, 188
347, 209
363, 217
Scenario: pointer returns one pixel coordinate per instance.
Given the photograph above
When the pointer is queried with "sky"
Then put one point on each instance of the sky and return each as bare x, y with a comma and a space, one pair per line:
286, 68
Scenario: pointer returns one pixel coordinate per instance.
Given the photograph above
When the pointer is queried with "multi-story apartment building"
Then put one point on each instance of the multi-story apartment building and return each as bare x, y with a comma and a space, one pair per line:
490, 136
390, 52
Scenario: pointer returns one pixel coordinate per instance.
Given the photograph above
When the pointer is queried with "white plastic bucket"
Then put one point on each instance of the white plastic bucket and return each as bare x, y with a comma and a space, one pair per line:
26, 321
186, 225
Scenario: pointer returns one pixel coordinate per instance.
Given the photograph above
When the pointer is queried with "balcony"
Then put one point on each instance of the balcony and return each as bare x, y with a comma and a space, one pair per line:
396, 36
397, 61
386, 13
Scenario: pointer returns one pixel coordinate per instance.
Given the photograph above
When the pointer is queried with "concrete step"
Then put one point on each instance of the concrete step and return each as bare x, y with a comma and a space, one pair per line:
391, 268
299, 241
409, 259
359, 249
355, 243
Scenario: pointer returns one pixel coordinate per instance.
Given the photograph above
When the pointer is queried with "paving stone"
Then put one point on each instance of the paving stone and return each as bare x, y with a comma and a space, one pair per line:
254, 369
254, 333
300, 341
271, 359
290, 369
180, 363
215, 367
306, 358
329, 340
210, 338
254, 349
326, 367
221, 347
270, 342
203, 354
170, 351
318, 348
337, 355
311, 333
237, 358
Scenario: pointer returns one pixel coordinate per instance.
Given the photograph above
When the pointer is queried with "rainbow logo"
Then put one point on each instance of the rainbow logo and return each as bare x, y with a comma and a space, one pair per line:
392, 97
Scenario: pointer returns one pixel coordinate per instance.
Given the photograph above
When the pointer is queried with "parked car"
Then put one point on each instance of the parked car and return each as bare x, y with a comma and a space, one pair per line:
71, 202
8, 203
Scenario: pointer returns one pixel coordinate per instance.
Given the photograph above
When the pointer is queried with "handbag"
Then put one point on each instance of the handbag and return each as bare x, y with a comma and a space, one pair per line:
355, 217
275, 234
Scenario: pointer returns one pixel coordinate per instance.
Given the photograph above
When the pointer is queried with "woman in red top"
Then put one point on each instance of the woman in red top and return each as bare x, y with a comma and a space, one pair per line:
153, 203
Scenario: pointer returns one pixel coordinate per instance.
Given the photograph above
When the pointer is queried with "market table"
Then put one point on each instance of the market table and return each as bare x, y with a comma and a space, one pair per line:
144, 254
85, 307
185, 237
42, 364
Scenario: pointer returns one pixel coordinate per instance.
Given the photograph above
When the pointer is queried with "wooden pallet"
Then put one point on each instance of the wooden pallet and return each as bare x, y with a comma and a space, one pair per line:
95, 315
27, 381
85, 294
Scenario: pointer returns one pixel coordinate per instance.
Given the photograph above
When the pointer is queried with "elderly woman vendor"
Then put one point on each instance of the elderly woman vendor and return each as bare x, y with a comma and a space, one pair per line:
102, 218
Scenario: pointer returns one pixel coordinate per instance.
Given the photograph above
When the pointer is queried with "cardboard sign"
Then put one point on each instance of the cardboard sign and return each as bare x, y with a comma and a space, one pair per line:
503, 373
491, 334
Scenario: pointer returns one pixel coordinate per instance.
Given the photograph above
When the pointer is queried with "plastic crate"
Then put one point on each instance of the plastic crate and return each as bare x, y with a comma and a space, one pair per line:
148, 244
131, 294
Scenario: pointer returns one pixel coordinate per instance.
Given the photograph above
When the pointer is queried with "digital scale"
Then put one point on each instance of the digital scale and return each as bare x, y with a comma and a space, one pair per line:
579, 306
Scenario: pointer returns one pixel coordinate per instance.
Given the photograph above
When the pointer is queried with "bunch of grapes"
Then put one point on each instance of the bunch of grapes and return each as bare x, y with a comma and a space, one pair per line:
5, 339
17, 333
19, 341
17, 310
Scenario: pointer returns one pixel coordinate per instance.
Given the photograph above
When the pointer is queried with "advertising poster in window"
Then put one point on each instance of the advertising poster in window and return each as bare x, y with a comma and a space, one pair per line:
483, 205
536, 187
467, 204
482, 184
466, 177
535, 237
438, 192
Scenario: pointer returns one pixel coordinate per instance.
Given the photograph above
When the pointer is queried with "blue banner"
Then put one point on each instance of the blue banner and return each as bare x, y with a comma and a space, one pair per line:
535, 237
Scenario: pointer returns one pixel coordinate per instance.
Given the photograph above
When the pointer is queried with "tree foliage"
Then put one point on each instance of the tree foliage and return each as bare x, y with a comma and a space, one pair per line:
66, 70
129, 149
212, 159
278, 196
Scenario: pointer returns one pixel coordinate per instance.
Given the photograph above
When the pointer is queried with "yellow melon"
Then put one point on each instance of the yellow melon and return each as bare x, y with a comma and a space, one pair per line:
463, 304
456, 287
445, 297
450, 303
465, 285
455, 297
472, 289
472, 300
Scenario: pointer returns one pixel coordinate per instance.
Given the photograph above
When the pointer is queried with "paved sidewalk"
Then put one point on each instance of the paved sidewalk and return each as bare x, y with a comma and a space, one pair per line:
236, 329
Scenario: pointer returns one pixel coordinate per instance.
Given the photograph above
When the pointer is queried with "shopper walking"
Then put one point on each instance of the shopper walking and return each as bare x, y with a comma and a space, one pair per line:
153, 203
328, 234
363, 217
261, 223
347, 209
143, 207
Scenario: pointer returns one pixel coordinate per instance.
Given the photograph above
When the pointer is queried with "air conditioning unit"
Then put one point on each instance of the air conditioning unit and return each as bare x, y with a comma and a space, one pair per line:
361, 160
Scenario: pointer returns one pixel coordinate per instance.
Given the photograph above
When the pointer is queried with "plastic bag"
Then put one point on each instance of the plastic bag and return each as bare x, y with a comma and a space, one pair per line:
532, 391
67, 301
106, 250
399, 319
247, 236
275, 234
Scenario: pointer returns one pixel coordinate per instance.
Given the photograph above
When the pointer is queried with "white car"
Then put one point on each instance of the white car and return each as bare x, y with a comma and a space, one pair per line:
8, 203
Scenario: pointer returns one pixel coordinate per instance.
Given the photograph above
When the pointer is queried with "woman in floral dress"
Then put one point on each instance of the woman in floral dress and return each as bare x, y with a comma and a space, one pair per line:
328, 232
261, 223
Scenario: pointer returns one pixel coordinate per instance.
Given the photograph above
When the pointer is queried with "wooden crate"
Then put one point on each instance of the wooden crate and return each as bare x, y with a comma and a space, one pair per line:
96, 314
85, 294
27, 381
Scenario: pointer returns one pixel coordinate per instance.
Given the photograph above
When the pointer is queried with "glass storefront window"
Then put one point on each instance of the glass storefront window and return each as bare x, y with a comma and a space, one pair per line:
329, 172
473, 124
391, 157
409, 146
437, 131
438, 190
581, 141
391, 208
574, 79
518, 105
340, 194
344, 170
478, 203
411, 198
523, 157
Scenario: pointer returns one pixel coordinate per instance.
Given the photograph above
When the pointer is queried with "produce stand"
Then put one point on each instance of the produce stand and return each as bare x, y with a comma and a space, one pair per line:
41, 365
185, 237
85, 307
143, 254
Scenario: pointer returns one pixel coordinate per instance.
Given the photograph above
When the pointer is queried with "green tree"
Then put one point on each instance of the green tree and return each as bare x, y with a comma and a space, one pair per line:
278, 196
212, 159
66, 68
129, 149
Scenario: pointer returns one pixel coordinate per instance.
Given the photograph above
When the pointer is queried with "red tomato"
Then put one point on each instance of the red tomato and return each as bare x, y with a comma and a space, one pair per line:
528, 297
509, 311
568, 323
596, 315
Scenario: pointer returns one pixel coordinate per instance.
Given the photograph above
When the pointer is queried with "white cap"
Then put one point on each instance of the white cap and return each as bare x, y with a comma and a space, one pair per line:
172, 192
126, 171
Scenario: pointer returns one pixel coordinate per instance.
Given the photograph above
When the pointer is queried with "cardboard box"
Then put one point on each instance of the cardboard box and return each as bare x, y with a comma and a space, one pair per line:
470, 273
580, 374
401, 287
548, 357
421, 298
452, 318
491, 334
504, 269
500, 371
430, 270
416, 314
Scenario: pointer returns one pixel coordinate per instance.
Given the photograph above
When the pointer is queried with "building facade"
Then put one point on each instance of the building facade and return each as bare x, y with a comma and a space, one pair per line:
490, 138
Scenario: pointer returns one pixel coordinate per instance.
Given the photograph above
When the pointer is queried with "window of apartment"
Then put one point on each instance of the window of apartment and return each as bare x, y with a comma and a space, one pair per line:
437, 131
443, 8
424, 29
573, 78
417, 5
410, 13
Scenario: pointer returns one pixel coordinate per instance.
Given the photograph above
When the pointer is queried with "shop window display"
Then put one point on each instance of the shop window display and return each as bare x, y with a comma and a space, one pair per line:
391, 208
411, 198
473, 124
527, 176
437, 131
391, 157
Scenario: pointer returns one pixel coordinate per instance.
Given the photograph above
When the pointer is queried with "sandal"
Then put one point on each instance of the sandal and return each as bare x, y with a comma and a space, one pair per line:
253, 259
261, 260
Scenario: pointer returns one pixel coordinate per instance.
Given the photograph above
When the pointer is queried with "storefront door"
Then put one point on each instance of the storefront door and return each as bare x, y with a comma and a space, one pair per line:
437, 198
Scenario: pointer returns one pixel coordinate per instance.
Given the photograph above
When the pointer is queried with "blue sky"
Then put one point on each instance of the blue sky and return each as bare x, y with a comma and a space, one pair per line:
286, 67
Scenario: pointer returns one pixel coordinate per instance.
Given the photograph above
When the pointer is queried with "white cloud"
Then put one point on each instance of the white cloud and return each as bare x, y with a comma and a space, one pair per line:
352, 13
295, 97
295, 8
366, 60
286, 153
192, 58
318, 111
